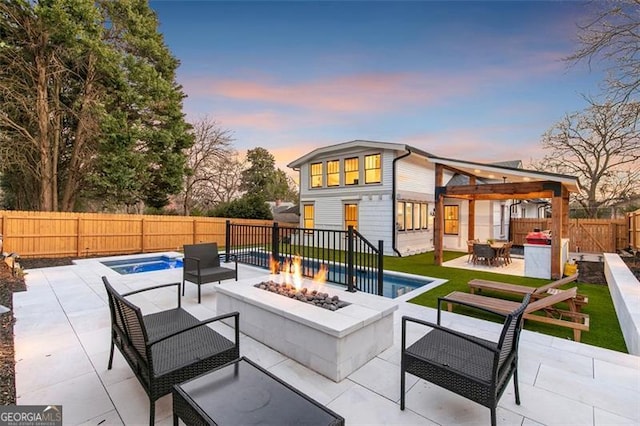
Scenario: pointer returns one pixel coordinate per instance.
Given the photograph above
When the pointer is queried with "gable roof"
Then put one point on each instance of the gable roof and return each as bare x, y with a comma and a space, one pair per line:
508, 171
358, 143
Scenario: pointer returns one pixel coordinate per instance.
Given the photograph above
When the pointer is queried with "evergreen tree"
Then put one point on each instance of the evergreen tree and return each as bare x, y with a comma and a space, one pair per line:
91, 108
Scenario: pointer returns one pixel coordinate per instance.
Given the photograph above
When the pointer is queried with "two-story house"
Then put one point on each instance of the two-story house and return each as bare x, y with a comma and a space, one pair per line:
388, 191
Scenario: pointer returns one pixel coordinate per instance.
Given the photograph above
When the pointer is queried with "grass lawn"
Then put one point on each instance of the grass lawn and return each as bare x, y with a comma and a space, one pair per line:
604, 329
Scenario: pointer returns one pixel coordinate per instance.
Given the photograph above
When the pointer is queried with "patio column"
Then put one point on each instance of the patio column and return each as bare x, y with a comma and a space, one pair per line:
557, 218
438, 219
471, 231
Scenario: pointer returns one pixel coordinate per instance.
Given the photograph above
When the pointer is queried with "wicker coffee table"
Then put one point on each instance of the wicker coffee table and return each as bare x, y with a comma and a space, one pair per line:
241, 392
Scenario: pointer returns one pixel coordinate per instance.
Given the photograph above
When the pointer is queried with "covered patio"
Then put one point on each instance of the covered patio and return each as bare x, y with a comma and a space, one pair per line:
517, 184
62, 348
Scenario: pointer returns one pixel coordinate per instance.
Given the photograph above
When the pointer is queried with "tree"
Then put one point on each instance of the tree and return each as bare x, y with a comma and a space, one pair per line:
90, 104
613, 34
206, 160
263, 179
249, 206
601, 147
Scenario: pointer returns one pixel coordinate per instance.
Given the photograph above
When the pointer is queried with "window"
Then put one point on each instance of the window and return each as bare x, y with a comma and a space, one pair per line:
351, 216
451, 220
333, 173
372, 168
424, 213
408, 214
351, 172
316, 175
400, 216
416, 216
309, 213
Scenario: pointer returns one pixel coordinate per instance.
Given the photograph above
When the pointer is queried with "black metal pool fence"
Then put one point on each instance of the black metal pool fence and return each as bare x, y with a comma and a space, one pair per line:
351, 259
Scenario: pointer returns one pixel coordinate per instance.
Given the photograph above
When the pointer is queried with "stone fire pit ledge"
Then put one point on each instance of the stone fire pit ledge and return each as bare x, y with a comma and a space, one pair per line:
333, 343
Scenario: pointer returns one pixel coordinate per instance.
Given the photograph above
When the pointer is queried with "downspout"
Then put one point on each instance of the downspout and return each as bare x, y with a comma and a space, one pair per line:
394, 230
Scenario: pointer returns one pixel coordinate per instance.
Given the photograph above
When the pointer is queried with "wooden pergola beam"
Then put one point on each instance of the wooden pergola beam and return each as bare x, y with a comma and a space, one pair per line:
503, 190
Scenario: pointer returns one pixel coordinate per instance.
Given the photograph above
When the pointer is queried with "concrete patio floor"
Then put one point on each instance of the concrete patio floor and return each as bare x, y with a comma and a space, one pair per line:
62, 347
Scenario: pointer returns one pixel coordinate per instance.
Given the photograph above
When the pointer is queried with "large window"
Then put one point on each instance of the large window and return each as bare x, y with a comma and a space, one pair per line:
351, 171
309, 213
424, 222
451, 220
400, 216
333, 173
351, 216
316, 175
412, 216
416, 216
372, 168
408, 214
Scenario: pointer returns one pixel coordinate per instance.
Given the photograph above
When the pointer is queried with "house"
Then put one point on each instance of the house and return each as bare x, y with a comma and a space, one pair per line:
388, 191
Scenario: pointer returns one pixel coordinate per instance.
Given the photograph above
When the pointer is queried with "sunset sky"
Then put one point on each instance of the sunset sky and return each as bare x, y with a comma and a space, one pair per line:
479, 81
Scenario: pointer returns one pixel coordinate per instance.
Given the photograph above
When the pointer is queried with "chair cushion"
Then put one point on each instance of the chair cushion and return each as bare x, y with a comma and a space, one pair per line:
454, 353
208, 275
187, 348
164, 323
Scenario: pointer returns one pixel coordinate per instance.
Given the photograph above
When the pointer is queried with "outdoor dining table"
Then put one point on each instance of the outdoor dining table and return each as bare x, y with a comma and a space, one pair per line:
495, 248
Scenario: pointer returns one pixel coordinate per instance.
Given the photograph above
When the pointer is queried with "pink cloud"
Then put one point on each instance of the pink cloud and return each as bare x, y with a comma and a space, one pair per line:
345, 94
477, 145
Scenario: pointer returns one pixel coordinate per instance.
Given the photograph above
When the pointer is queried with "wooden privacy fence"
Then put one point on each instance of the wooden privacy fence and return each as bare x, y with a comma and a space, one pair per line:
633, 220
585, 235
53, 234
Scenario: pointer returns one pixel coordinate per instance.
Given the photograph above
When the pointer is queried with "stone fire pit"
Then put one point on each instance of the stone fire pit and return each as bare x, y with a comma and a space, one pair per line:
312, 297
332, 343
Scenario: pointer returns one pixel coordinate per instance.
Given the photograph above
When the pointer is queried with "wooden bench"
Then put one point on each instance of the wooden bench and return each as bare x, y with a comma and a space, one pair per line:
571, 318
477, 286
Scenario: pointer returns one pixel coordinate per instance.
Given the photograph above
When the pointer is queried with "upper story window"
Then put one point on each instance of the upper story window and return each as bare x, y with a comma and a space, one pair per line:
351, 171
333, 173
372, 168
451, 220
316, 175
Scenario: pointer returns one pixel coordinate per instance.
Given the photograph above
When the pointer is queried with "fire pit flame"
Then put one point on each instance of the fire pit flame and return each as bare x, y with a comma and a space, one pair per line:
290, 285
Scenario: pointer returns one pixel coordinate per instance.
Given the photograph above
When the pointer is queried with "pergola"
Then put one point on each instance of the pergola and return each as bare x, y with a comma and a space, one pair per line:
517, 184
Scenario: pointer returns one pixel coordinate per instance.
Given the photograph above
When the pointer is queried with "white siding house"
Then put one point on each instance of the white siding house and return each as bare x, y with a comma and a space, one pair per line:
387, 191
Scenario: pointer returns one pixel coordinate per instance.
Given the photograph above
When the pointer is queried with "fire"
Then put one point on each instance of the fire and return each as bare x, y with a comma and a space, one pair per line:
297, 272
274, 265
321, 275
291, 272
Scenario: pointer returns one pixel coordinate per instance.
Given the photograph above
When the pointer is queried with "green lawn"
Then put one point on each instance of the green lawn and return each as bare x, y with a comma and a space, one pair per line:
604, 329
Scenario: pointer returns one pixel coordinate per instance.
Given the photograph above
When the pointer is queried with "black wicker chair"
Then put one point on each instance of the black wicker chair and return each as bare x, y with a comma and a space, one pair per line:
167, 347
202, 265
472, 367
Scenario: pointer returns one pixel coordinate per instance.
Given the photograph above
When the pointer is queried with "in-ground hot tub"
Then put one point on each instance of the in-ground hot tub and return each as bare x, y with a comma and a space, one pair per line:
332, 343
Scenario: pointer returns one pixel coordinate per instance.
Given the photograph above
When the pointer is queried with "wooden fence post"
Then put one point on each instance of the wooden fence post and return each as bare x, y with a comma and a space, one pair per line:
195, 232
142, 235
79, 237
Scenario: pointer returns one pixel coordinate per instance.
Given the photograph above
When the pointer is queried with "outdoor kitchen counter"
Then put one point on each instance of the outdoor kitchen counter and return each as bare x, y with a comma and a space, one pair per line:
537, 259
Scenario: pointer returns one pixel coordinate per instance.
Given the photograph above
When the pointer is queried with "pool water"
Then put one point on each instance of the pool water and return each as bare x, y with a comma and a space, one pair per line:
143, 264
393, 285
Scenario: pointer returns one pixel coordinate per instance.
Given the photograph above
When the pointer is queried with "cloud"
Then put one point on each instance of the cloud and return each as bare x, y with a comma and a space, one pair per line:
358, 93
489, 144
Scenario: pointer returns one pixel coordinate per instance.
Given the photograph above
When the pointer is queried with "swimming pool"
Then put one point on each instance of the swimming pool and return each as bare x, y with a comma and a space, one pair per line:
394, 284
136, 265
